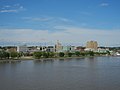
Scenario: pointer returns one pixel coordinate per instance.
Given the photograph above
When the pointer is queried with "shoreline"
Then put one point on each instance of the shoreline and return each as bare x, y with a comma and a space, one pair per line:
47, 59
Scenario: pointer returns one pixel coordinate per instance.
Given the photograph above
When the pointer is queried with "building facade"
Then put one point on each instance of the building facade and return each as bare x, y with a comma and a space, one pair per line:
68, 49
58, 47
22, 48
91, 46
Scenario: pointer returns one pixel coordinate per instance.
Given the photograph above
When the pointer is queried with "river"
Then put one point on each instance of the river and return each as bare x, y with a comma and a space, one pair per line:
97, 73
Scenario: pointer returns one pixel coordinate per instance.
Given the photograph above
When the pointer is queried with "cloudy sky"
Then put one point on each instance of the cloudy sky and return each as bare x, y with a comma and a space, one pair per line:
69, 21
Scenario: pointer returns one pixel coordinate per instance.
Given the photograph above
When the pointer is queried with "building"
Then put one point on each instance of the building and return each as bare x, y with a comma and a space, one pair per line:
68, 49
50, 49
58, 47
79, 48
11, 49
102, 50
22, 48
91, 46
46, 48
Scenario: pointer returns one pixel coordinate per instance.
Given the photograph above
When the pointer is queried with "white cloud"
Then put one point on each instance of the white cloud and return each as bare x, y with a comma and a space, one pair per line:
46, 19
21, 7
104, 4
40, 19
7, 6
64, 19
3, 11
37, 18
86, 13
11, 8
68, 35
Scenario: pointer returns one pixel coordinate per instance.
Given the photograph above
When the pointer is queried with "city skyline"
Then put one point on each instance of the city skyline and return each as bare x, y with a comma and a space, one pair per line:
70, 21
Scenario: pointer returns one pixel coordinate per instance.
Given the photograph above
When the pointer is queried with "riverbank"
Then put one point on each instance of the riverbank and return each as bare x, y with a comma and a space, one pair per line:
10, 61
43, 59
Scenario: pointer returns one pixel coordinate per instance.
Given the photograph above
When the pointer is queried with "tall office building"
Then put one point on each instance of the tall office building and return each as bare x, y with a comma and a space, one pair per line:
92, 45
58, 47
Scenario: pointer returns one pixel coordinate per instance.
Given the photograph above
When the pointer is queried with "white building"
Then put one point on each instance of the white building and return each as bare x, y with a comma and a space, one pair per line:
22, 48
46, 48
102, 50
68, 49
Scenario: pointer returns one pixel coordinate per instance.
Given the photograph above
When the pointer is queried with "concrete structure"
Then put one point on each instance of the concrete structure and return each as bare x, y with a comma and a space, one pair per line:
46, 48
41, 48
79, 48
102, 50
58, 47
32, 49
68, 49
50, 49
22, 48
91, 46
11, 49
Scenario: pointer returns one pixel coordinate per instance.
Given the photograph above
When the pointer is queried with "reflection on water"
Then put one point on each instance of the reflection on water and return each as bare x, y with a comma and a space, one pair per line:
93, 73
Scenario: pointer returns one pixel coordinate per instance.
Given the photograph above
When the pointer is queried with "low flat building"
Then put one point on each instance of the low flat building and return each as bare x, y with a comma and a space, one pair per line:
22, 48
46, 48
12, 49
102, 50
68, 48
50, 49
79, 48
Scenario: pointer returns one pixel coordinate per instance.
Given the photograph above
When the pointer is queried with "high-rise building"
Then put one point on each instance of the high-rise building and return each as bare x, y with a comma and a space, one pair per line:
92, 45
58, 47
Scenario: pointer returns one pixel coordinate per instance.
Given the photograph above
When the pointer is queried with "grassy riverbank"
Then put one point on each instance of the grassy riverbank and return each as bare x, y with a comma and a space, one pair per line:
54, 58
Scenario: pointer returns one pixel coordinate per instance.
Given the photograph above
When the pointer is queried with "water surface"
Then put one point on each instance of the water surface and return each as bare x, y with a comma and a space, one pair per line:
98, 73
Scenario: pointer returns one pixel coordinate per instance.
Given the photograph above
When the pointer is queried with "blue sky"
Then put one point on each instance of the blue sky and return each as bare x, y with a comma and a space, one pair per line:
70, 21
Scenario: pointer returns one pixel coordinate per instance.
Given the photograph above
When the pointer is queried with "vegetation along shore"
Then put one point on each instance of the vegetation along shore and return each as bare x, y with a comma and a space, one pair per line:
15, 56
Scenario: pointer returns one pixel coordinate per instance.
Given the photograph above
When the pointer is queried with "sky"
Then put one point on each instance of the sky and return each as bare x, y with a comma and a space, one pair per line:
72, 22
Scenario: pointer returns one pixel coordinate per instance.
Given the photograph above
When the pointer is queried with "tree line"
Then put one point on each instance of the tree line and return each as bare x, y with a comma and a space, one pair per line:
9, 55
38, 55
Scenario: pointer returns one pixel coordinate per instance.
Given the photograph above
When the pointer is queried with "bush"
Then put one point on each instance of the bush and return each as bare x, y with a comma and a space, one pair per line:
61, 54
51, 54
70, 54
4, 55
46, 54
82, 54
77, 53
91, 53
37, 55
13, 55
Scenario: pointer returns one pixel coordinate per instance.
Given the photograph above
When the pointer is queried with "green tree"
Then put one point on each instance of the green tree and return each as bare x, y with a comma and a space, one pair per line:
45, 54
7, 55
82, 54
4, 55
51, 54
77, 53
61, 54
19, 55
108, 52
13, 55
1, 55
70, 54
37, 55
91, 53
